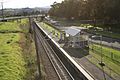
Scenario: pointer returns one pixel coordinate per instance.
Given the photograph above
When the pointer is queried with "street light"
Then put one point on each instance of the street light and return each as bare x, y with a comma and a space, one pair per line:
101, 60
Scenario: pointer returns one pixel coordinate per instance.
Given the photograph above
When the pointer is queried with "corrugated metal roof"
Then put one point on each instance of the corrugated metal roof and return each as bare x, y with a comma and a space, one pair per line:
72, 31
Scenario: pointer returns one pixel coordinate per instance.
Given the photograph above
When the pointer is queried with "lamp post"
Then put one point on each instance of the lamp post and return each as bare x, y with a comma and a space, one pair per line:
92, 42
101, 61
111, 46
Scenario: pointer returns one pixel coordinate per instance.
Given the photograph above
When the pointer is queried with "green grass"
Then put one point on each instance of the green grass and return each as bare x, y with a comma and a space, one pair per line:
110, 67
111, 61
108, 52
12, 26
11, 60
50, 29
9, 26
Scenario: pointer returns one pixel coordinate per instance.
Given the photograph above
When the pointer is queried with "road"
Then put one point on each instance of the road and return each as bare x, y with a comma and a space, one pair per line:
110, 42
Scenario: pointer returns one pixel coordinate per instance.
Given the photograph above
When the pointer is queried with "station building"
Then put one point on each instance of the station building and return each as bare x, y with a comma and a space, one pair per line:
76, 37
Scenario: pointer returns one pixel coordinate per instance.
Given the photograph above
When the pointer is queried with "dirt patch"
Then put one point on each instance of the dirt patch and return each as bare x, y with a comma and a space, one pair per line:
6, 31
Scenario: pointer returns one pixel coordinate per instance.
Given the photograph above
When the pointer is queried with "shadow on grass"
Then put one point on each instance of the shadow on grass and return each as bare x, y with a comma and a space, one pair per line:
76, 52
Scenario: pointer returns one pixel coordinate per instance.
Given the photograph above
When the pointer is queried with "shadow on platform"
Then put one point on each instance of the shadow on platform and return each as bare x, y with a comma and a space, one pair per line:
76, 52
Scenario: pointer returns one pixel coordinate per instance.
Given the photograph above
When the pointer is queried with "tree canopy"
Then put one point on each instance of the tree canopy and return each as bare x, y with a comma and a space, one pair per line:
87, 9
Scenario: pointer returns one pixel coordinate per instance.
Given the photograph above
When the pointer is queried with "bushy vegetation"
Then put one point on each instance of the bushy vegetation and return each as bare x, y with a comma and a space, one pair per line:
17, 51
51, 29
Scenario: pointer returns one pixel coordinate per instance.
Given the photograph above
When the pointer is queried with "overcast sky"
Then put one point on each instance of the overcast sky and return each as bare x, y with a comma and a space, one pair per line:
27, 3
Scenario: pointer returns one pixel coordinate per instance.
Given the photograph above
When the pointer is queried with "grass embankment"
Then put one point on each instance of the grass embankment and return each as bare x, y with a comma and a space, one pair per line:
50, 29
12, 26
107, 52
12, 66
111, 59
13, 58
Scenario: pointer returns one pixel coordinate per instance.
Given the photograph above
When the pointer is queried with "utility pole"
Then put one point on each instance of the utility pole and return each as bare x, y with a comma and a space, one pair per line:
2, 11
101, 61
101, 49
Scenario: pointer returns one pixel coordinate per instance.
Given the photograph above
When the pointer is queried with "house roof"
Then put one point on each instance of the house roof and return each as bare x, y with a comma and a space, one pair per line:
72, 31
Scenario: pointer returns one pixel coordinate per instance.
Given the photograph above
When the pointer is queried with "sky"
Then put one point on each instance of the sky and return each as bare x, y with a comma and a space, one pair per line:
27, 3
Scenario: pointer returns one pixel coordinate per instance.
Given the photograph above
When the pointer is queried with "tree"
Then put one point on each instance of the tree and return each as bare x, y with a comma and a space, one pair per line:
87, 9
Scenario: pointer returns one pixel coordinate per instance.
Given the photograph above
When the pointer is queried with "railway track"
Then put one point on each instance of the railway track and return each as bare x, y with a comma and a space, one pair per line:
61, 71
65, 67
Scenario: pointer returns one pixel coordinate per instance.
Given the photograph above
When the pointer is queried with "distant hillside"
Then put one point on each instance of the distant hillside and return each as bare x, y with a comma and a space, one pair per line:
25, 11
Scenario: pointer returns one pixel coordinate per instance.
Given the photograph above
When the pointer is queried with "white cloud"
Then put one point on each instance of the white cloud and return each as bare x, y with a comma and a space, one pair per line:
28, 3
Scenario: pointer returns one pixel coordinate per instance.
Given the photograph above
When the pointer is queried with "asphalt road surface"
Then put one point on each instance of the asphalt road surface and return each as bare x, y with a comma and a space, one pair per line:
110, 42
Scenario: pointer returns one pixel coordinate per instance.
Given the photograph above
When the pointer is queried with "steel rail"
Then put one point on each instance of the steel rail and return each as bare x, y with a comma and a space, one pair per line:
47, 47
85, 74
48, 57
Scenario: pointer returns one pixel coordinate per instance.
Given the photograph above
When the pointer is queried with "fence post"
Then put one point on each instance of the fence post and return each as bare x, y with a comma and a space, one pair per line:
111, 55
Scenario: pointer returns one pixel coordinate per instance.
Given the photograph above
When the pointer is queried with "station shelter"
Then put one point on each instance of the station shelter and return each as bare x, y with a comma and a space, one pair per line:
76, 37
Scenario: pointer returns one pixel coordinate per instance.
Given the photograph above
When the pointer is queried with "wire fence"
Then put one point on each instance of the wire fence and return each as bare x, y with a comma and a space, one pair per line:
107, 53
